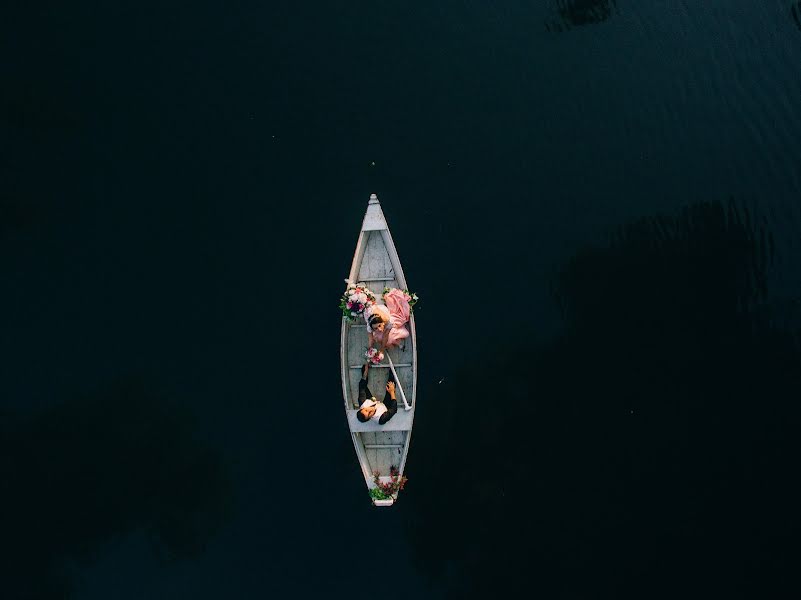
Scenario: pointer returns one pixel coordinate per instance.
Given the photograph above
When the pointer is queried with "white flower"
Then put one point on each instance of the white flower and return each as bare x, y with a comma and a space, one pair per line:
363, 298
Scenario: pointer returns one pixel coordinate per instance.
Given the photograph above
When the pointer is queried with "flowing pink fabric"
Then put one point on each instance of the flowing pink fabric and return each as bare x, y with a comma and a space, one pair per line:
398, 307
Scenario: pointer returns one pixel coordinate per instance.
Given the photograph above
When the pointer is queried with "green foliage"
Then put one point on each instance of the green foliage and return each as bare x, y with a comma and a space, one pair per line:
378, 494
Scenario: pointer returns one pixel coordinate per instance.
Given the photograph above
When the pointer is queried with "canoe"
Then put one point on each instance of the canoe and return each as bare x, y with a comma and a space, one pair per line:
378, 447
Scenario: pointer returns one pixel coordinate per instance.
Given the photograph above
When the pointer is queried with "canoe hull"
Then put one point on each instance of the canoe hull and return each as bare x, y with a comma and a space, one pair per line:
376, 263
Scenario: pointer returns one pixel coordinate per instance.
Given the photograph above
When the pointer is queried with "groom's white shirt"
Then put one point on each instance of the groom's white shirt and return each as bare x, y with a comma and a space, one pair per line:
380, 409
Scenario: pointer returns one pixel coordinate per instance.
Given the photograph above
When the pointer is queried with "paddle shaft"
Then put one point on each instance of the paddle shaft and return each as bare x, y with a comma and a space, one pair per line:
397, 383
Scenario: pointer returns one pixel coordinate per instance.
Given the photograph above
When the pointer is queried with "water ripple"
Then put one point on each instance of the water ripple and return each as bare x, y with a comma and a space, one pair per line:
576, 13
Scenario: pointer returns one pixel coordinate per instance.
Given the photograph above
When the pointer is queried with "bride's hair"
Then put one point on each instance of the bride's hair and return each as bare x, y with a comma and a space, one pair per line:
374, 320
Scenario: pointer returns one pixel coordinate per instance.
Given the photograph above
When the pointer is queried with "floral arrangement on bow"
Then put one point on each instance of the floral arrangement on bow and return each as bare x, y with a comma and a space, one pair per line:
385, 491
410, 297
355, 300
374, 356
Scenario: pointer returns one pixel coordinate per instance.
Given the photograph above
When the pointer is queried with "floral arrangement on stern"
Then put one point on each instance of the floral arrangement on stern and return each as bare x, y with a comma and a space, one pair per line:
356, 299
385, 491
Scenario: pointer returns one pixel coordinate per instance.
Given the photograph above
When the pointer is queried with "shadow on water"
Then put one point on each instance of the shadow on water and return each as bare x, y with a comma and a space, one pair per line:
94, 469
575, 13
651, 448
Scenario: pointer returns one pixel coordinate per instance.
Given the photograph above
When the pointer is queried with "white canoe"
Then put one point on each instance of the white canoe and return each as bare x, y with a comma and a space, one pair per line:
378, 447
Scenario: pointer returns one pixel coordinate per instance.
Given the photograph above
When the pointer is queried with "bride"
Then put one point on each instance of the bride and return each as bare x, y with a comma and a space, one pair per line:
385, 323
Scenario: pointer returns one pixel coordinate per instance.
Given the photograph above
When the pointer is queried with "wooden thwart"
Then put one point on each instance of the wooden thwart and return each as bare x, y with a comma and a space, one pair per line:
382, 366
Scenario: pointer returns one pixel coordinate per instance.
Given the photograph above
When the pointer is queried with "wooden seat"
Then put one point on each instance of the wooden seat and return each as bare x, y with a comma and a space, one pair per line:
402, 421
383, 366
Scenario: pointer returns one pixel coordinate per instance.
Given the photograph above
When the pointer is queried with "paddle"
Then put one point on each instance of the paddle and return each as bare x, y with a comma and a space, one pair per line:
397, 383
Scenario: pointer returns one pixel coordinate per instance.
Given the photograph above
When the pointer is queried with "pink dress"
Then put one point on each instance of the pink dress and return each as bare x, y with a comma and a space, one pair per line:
397, 312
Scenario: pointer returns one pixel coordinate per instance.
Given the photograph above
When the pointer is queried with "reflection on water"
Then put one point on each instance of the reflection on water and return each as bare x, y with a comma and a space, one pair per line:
651, 447
574, 13
94, 469
714, 258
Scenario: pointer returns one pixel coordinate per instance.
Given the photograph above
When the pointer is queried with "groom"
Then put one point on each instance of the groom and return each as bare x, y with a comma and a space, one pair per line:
369, 407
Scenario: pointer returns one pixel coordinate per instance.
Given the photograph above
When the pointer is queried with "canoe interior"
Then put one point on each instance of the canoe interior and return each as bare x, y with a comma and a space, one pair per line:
376, 270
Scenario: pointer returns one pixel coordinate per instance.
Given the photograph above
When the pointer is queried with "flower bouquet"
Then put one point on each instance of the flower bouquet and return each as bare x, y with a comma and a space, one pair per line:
355, 300
374, 356
385, 491
410, 297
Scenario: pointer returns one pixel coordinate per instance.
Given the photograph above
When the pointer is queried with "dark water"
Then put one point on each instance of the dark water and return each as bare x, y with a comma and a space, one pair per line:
599, 203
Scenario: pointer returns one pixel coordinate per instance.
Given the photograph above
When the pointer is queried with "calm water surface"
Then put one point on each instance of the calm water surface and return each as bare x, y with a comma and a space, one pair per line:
599, 203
